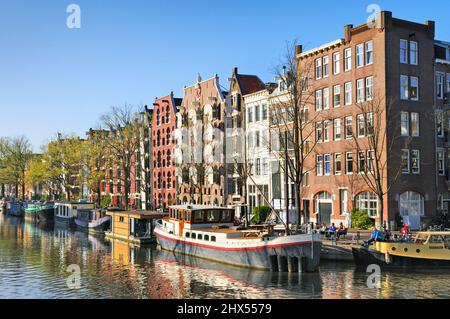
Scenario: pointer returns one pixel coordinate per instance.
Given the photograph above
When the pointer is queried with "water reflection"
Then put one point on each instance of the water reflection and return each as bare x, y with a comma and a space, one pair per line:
34, 261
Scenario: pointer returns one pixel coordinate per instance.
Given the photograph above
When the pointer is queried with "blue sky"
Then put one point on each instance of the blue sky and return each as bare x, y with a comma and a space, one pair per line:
55, 79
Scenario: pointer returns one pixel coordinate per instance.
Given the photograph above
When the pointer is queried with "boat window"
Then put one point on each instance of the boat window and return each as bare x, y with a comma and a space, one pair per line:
200, 236
207, 237
213, 216
198, 216
226, 216
121, 219
188, 235
193, 236
213, 238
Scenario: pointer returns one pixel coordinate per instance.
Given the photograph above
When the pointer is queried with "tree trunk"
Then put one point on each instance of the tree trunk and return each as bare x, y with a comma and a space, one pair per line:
298, 199
380, 211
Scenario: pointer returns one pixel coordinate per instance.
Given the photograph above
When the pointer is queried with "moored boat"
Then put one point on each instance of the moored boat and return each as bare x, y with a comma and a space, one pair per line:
67, 212
93, 220
40, 213
425, 249
208, 232
14, 208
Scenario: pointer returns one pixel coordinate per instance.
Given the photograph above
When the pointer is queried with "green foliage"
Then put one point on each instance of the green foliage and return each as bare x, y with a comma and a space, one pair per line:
260, 214
360, 220
106, 201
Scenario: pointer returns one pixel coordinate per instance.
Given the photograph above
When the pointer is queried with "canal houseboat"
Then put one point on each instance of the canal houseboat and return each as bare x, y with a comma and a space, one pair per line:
14, 208
93, 220
66, 212
425, 249
208, 232
40, 213
136, 227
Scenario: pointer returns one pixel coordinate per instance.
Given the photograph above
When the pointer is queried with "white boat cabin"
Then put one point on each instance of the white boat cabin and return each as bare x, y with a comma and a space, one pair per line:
68, 210
184, 219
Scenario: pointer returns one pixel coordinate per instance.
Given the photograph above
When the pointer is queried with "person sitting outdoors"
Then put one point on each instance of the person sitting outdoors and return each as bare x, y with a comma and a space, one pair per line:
405, 233
324, 229
332, 230
373, 237
342, 231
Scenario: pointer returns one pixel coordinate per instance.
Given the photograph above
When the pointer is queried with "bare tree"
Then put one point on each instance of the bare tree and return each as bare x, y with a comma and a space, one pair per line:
291, 122
124, 143
374, 150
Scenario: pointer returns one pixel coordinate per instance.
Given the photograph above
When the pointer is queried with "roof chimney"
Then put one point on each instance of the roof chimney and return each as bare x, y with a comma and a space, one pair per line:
298, 49
386, 20
347, 32
431, 28
235, 71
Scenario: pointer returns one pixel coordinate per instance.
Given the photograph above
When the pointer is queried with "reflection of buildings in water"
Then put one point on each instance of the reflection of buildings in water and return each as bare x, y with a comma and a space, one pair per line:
191, 277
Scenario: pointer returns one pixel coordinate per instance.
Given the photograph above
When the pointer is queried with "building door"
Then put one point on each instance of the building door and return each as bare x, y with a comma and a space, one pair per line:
324, 207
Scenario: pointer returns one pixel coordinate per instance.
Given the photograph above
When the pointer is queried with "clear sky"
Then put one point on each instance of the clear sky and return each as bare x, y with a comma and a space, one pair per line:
55, 79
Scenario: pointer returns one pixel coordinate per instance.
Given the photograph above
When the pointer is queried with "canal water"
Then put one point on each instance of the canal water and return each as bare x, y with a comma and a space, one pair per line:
36, 262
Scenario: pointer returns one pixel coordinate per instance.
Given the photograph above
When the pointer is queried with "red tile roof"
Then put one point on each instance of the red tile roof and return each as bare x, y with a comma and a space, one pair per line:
250, 84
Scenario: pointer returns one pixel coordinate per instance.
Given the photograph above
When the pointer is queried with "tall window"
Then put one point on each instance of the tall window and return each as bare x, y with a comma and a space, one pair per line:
326, 125
415, 161
348, 127
413, 53
325, 66
258, 167
250, 114
348, 59
337, 96
369, 52
257, 113
440, 124
319, 100
361, 125
360, 55
337, 129
404, 123
440, 86
361, 162
368, 203
319, 132
404, 91
337, 164
319, 165
348, 93
326, 98
360, 91
370, 161
403, 51
441, 163
369, 88
405, 161
414, 84
327, 165
415, 126
318, 69
336, 63
369, 124
349, 163
264, 111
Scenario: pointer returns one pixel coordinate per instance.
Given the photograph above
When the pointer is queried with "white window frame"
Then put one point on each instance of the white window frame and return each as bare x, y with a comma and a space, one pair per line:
336, 91
336, 63
404, 87
318, 69
319, 101
346, 124
337, 128
348, 93
360, 91
361, 124
319, 165
404, 124
335, 160
326, 66
413, 54
415, 153
404, 50
411, 78
326, 131
440, 122
325, 173
326, 99
408, 157
348, 59
415, 126
347, 162
369, 88
359, 55
440, 79
369, 49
